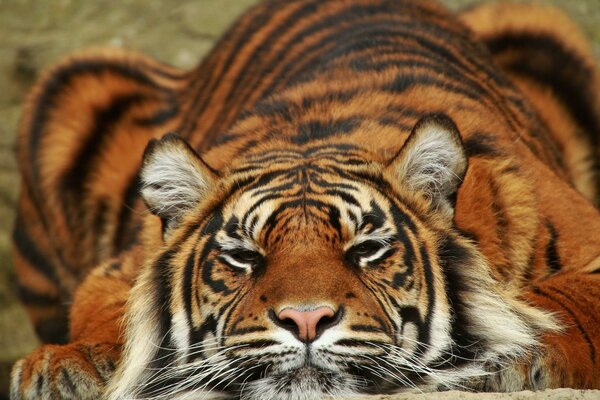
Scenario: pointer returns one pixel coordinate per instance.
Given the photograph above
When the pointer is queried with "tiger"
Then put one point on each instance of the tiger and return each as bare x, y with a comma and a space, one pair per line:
344, 198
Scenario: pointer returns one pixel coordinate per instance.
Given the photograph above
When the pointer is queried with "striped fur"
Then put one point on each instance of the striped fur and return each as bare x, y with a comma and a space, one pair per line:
423, 176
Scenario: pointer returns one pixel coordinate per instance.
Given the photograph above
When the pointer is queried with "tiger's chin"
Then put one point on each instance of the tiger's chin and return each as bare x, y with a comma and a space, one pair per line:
303, 383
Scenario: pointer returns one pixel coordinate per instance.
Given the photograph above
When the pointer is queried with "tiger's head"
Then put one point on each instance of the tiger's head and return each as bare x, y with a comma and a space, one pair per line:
313, 270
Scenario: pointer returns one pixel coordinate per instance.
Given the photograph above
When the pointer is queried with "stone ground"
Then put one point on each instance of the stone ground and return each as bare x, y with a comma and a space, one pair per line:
34, 34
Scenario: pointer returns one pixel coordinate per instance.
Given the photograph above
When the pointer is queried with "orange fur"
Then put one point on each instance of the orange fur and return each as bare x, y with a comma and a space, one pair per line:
524, 211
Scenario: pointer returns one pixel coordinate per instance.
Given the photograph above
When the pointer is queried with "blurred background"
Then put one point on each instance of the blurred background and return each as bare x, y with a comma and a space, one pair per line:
37, 33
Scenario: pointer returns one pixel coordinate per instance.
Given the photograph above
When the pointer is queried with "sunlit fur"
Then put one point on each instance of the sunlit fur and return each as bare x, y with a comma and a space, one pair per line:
459, 161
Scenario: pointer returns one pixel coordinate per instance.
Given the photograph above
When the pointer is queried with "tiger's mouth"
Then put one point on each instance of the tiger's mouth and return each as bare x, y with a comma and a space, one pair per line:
306, 382
307, 376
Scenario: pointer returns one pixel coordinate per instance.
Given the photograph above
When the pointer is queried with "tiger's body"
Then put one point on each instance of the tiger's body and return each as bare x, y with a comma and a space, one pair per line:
388, 198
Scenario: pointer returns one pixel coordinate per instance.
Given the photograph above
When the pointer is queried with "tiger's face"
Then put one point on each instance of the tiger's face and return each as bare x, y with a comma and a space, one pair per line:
312, 281
311, 271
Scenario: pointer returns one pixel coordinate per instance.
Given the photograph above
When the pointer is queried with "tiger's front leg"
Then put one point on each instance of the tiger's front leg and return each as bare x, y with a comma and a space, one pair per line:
81, 368
568, 358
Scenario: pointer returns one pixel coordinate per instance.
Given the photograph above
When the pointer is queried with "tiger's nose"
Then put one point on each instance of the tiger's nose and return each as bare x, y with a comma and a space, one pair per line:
308, 325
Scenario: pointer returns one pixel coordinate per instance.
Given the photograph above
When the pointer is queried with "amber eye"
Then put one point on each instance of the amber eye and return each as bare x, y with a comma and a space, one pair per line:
367, 250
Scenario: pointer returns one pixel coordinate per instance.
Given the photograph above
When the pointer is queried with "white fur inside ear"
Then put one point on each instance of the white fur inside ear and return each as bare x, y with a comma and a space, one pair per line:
173, 180
433, 161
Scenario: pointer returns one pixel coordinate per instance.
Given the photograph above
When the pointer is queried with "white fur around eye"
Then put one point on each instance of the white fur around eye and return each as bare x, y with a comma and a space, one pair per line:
377, 255
245, 266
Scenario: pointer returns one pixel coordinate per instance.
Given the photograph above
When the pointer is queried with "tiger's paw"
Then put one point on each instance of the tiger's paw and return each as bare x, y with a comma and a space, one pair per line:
533, 372
73, 371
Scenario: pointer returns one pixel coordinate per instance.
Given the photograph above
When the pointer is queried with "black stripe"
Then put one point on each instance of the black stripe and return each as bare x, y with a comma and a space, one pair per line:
365, 328
262, 18
259, 344
33, 298
85, 161
60, 81
161, 116
425, 333
345, 39
466, 344
125, 237
162, 288
546, 60
481, 144
283, 25
53, 330
592, 351
317, 130
30, 252
552, 257
566, 74
66, 380
189, 288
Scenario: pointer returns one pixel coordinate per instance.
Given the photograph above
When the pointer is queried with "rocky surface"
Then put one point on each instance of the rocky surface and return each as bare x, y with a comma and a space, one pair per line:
558, 394
34, 34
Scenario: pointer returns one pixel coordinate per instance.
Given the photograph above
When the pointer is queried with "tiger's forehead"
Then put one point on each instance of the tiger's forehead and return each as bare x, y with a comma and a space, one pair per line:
321, 190
290, 157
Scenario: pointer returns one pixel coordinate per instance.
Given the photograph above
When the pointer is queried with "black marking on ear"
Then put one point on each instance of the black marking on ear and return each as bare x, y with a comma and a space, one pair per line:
552, 257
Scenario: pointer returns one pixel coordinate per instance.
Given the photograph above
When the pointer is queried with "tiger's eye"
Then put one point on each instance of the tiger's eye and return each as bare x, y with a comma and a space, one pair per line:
366, 249
363, 250
246, 256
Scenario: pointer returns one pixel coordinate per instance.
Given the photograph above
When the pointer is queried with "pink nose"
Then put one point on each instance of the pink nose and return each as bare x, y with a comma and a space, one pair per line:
306, 321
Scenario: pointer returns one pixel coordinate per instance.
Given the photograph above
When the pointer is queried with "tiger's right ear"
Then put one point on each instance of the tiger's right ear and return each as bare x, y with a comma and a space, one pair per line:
174, 178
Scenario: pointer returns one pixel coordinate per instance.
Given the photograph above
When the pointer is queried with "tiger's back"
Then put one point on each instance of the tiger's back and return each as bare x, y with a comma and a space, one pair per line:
307, 73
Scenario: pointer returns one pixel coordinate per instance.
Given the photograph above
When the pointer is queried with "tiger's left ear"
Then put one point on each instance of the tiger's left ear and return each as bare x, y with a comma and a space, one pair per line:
432, 161
174, 178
